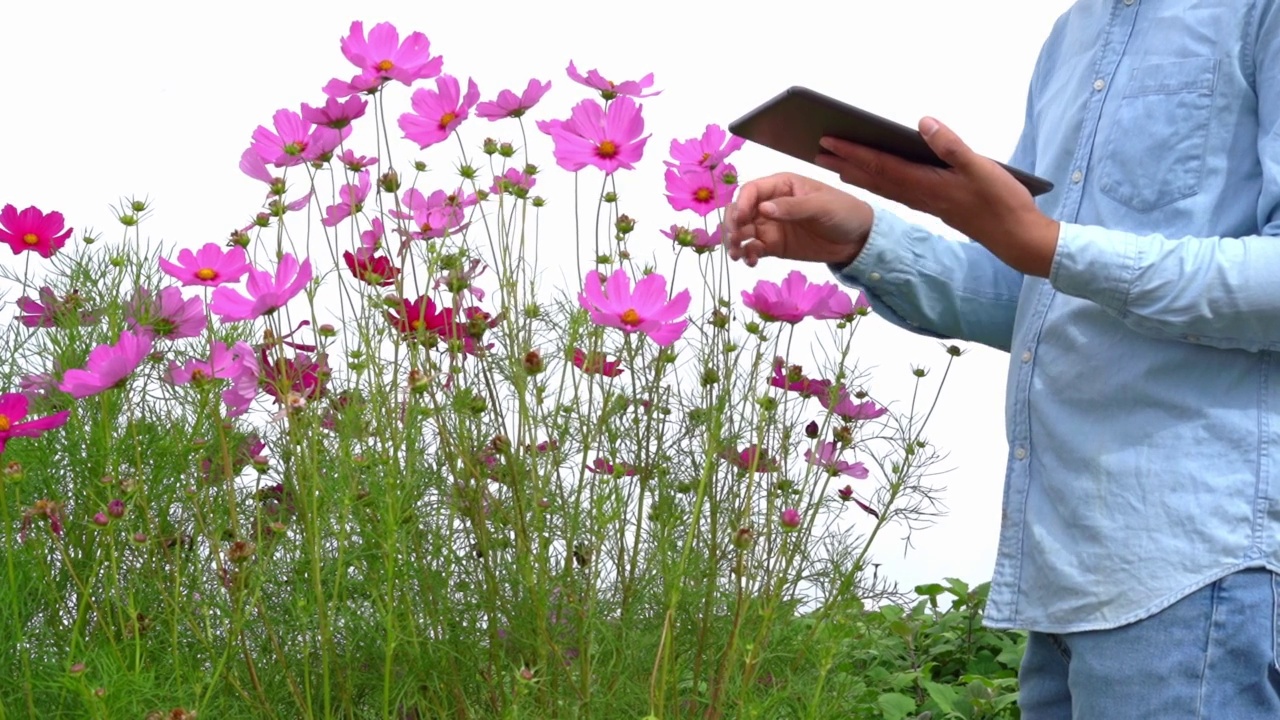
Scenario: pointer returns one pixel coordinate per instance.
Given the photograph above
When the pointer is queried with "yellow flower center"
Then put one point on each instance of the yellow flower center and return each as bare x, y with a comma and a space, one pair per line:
30, 238
607, 149
4, 423
206, 274
447, 118
631, 317
385, 65
703, 195
705, 157
417, 324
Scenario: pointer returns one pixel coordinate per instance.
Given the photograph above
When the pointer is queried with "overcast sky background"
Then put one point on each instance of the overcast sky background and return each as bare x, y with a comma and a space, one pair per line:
158, 99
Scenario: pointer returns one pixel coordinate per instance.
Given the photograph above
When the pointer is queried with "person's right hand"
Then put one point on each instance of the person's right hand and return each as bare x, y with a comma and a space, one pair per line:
792, 217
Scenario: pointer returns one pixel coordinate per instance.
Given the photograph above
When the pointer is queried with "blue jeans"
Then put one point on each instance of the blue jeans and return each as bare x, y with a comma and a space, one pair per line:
1211, 656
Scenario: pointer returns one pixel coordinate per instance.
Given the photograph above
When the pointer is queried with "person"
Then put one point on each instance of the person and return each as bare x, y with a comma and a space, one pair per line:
1140, 305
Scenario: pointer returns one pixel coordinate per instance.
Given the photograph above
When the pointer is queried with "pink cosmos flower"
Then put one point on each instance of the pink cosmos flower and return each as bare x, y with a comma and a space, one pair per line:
209, 266
107, 366
350, 201
252, 164
243, 372
827, 457
596, 363
608, 89
223, 363
295, 140
335, 113
845, 405
302, 375
462, 279
700, 190
37, 387
265, 292
606, 139
371, 239
601, 466
706, 152
645, 309
437, 113
167, 315
513, 182
790, 519
48, 310
752, 457
792, 378
375, 270
354, 162
33, 230
796, 299
697, 238
509, 105
435, 216
384, 57
13, 410
338, 88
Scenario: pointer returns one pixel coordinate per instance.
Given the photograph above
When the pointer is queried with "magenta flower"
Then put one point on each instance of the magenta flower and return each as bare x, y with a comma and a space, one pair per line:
209, 266
265, 293
510, 105
422, 317
39, 386
223, 363
606, 139
792, 378
350, 201
827, 457
302, 376
751, 458
295, 140
242, 370
790, 519
107, 366
338, 88
437, 113
356, 163
33, 230
384, 57
645, 309
375, 270
796, 299
700, 190
601, 466
252, 164
335, 113
47, 310
594, 363
462, 279
706, 152
13, 410
167, 315
697, 238
608, 89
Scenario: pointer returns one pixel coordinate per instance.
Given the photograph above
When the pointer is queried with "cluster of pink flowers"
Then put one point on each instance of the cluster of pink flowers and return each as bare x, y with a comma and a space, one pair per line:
796, 299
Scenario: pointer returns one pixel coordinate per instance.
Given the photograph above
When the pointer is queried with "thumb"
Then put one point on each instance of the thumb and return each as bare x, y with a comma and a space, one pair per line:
946, 144
793, 208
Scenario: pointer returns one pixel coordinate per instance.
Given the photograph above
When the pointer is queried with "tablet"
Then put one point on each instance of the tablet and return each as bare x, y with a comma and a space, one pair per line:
794, 120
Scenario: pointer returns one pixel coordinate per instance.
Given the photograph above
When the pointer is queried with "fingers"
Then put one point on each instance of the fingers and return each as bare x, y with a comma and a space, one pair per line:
947, 145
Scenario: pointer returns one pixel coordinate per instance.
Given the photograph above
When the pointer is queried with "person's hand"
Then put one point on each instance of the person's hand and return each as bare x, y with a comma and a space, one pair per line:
793, 217
975, 195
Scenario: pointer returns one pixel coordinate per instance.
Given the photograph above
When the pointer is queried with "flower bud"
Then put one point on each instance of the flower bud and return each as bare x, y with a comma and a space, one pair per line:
389, 181
845, 493
326, 331
13, 471
610, 197
742, 539
811, 430
418, 381
101, 520
239, 238
506, 150
419, 165
116, 508
490, 146
790, 519
625, 224
533, 363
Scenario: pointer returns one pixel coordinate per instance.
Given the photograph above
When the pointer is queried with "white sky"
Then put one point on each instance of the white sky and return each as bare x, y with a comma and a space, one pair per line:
158, 99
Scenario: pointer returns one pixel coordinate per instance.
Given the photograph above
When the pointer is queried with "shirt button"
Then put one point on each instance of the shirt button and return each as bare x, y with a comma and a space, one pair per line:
874, 277
1099, 84
1020, 453
1077, 176
1026, 356
1128, 2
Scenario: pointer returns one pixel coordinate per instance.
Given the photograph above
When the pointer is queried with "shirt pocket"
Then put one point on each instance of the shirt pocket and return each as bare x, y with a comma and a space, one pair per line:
1155, 152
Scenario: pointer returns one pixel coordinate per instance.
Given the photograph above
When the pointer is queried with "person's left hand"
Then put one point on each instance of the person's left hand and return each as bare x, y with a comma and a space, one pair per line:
975, 195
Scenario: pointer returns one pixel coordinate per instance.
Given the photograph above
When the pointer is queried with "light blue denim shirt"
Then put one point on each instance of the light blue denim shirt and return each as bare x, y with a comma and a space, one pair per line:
1143, 397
